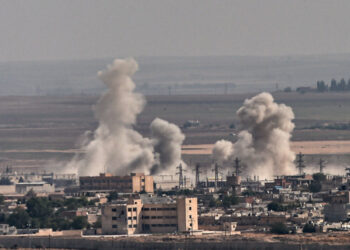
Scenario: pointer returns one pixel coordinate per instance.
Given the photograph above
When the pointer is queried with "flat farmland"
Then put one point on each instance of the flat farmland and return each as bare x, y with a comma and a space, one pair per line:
35, 131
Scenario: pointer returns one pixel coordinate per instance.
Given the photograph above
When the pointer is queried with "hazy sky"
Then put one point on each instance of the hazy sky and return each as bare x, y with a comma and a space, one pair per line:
49, 29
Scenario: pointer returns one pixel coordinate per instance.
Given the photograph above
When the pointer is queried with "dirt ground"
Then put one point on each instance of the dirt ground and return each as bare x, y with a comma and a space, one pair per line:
306, 147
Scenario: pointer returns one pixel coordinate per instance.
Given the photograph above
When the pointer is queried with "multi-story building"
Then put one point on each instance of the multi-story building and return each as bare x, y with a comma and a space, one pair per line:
150, 215
338, 208
133, 183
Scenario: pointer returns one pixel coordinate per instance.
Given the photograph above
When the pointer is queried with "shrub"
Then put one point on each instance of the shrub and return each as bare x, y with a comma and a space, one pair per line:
315, 187
309, 228
275, 206
279, 228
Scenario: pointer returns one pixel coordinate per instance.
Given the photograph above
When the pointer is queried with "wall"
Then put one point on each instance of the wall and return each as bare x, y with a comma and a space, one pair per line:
190, 243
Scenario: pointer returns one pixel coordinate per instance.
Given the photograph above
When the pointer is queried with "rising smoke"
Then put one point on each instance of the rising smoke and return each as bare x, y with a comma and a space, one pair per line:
263, 143
115, 146
167, 140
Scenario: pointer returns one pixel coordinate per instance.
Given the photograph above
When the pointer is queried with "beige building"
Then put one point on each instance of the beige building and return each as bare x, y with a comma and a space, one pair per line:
133, 183
150, 215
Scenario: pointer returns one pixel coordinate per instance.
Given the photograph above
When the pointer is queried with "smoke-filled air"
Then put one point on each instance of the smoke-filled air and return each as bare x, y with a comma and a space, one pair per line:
263, 143
116, 147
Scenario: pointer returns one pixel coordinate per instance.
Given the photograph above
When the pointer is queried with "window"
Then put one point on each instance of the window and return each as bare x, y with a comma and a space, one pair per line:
145, 217
114, 210
153, 209
145, 209
190, 216
189, 201
129, 218
134, 209
122, 213
153, 217
129, 209
130, 226
134, 225
190, 208
134, 217
190, 224
159, 217
114, 218
114, 226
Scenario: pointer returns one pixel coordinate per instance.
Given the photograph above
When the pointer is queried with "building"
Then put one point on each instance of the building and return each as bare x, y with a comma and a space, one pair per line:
149, 214
6, 229
338, 208
37, 187
234, 182
133, 183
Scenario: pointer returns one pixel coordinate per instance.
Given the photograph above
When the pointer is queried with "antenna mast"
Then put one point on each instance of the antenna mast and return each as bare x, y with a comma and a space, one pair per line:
180, 173
300, 163
237, 166
322, 165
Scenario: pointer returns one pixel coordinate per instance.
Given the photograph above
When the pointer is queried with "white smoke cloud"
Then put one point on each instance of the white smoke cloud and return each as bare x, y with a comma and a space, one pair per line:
116, 147
222, 151
263, 143
167, 140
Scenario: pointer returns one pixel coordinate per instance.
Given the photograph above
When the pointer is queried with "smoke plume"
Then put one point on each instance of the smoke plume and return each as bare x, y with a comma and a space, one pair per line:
115, 146
263, 143
167, 140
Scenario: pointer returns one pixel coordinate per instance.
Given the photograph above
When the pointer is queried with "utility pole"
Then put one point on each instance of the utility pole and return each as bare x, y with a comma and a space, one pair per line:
347, 172
180, 173
322, 165
300, 163
216, 171
169, 90
237, 166
198, 172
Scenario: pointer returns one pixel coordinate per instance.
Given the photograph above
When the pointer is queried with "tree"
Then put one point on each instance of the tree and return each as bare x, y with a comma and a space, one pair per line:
321, 86
309, 228
19, 218
98, 223
275, 206
112, 196
279, 228
5, 181
342, 85
333, 85
59, 223
73, 203
2, 199
212, 202
315, 187
30, 194
227, 201
319, 177
39, 208
248, 192
80, 222
287, 89
348, 85
2, 218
